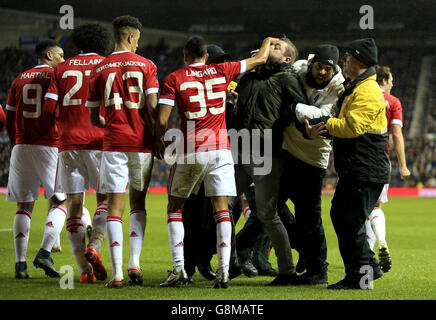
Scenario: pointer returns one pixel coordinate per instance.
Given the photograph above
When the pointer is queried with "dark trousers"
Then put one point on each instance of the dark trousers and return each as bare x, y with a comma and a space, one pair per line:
352, 203
200, 232
252, 241
302, 183
266, 190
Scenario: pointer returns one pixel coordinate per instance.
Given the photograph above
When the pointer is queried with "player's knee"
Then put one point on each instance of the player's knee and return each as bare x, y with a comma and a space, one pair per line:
27, 206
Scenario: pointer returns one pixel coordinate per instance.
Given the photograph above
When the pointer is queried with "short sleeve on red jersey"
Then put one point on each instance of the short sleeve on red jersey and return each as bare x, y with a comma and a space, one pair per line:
394, 112
232, 69
52, 91
168, 92
94, 96
151, 82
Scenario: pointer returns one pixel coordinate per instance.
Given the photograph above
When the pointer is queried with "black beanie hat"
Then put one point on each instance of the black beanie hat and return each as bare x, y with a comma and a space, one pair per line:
326, 53
364, 50
216, 53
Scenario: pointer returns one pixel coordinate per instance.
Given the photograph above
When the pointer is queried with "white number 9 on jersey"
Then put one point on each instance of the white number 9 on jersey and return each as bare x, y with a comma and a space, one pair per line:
37, 101
200, 96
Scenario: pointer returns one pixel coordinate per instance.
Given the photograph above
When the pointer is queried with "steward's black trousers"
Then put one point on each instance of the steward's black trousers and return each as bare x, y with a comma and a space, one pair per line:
352, 203
302, 183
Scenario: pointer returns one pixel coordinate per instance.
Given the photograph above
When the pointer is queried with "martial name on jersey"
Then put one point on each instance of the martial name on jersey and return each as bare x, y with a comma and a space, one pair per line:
36, 75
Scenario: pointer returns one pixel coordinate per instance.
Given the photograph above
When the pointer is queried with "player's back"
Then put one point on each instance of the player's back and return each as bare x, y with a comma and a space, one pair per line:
200, 92
26, 98
70, 88
121, 83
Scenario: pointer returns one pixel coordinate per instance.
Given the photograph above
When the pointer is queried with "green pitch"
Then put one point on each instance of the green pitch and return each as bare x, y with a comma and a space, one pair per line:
410, 234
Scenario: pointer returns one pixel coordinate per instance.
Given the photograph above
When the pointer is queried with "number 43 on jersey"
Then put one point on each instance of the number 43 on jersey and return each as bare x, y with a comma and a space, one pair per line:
117, 100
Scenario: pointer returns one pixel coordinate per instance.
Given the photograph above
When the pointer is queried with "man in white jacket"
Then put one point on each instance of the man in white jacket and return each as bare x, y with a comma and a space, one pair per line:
306, 160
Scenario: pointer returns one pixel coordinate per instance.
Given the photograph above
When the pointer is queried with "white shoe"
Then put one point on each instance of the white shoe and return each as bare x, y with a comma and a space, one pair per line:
175, 277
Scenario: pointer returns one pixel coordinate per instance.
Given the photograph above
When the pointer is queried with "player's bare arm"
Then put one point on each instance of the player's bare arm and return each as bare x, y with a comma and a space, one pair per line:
397, 136
95, 118
262, 55
10, 125
159, 130
152, 105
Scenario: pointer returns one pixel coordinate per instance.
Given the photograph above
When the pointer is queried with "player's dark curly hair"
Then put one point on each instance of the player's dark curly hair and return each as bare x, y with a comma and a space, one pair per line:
122, 22
92, 37
43, 46
196, 47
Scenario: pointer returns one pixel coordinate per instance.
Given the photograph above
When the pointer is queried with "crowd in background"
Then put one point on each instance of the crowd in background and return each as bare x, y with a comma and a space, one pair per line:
420, 152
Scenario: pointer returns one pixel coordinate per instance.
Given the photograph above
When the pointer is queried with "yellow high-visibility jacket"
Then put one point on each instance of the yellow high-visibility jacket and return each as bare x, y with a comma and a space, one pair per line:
359, 132
363, 111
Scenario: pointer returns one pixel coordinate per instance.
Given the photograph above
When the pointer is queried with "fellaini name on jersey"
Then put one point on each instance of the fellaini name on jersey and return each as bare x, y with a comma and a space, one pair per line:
77, 62
121, 64
201, 73
35, 75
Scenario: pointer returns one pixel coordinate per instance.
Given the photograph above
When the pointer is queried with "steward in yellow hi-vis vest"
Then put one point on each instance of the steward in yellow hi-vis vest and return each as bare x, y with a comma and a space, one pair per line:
361, 161
359, 131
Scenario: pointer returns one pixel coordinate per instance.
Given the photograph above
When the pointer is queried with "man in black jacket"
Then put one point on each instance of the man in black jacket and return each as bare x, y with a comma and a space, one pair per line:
265, 100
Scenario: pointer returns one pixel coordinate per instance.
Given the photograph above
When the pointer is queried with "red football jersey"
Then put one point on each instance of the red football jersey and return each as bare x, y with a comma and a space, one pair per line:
26, 99
69, 88
120, 83
200, 93
394, 110
2, 118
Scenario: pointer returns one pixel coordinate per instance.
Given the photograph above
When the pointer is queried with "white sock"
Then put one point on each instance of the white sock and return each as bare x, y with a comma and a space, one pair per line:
378, 223
176, 234
21, 234
224, 238
370, 236
57, 242
138, 221
99, 226
53, 226
115, 245
76, 235
86, 218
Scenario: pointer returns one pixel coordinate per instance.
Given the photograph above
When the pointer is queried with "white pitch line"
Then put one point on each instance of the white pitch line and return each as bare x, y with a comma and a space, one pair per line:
5, 230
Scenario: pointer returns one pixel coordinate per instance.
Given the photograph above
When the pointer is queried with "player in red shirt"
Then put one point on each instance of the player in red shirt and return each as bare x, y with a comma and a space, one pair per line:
200, 91
126, 86
34, 158
376, 222
80, 145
